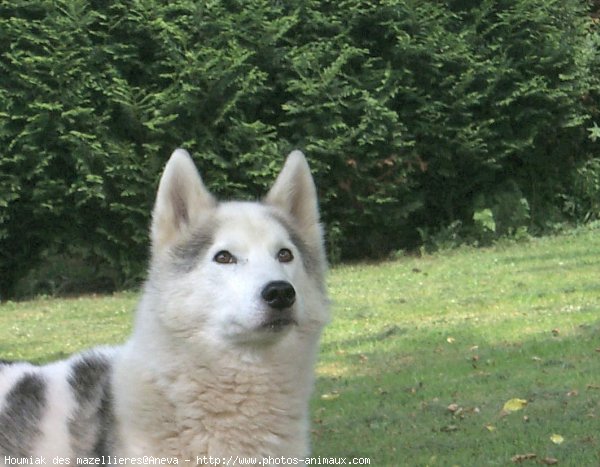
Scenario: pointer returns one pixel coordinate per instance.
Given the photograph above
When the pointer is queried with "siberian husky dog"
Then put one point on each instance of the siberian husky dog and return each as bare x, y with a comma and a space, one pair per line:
220, 362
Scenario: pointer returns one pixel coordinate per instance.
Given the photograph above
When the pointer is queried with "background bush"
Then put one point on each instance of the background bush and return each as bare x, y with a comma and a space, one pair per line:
422, 119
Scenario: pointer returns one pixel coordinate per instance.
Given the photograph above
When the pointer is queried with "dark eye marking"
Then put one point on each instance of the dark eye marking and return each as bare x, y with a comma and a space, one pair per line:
285, 256
224, 257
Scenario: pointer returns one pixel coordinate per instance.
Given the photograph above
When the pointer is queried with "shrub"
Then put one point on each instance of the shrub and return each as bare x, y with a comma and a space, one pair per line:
416, 116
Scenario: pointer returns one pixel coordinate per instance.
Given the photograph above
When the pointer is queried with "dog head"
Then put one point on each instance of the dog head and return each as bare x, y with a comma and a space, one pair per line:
243, 272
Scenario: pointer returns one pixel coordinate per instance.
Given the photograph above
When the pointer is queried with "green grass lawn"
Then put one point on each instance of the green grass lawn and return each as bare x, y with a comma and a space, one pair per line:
422, 354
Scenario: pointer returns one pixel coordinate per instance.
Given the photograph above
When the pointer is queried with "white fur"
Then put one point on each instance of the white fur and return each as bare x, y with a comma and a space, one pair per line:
215, 385
58, 408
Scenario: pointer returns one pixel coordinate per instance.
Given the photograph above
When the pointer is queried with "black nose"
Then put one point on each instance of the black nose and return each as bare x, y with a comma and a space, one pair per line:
279, 294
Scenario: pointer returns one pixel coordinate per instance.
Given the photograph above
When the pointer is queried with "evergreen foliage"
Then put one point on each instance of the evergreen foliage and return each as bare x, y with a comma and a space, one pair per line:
422, 119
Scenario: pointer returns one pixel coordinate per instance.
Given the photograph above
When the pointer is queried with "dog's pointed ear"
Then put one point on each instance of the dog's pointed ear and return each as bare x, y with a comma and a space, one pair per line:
181, 198
294, 192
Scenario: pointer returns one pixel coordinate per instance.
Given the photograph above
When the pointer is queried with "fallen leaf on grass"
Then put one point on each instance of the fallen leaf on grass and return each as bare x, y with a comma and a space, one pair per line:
331, 396
453, 408
523, 457
549, 461
556, 439
490, 428
513, 405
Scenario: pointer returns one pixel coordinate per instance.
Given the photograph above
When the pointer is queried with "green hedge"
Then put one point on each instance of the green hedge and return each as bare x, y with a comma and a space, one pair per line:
421, 118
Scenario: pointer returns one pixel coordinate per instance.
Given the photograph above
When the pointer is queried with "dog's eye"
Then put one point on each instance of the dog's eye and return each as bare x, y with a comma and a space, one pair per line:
285, 256
224, 257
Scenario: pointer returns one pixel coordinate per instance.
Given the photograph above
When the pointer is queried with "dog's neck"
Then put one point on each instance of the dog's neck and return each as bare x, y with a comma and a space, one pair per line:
249, 402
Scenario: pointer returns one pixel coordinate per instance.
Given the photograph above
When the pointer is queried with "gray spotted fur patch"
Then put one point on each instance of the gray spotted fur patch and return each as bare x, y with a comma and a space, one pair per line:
20, 417
91, 422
